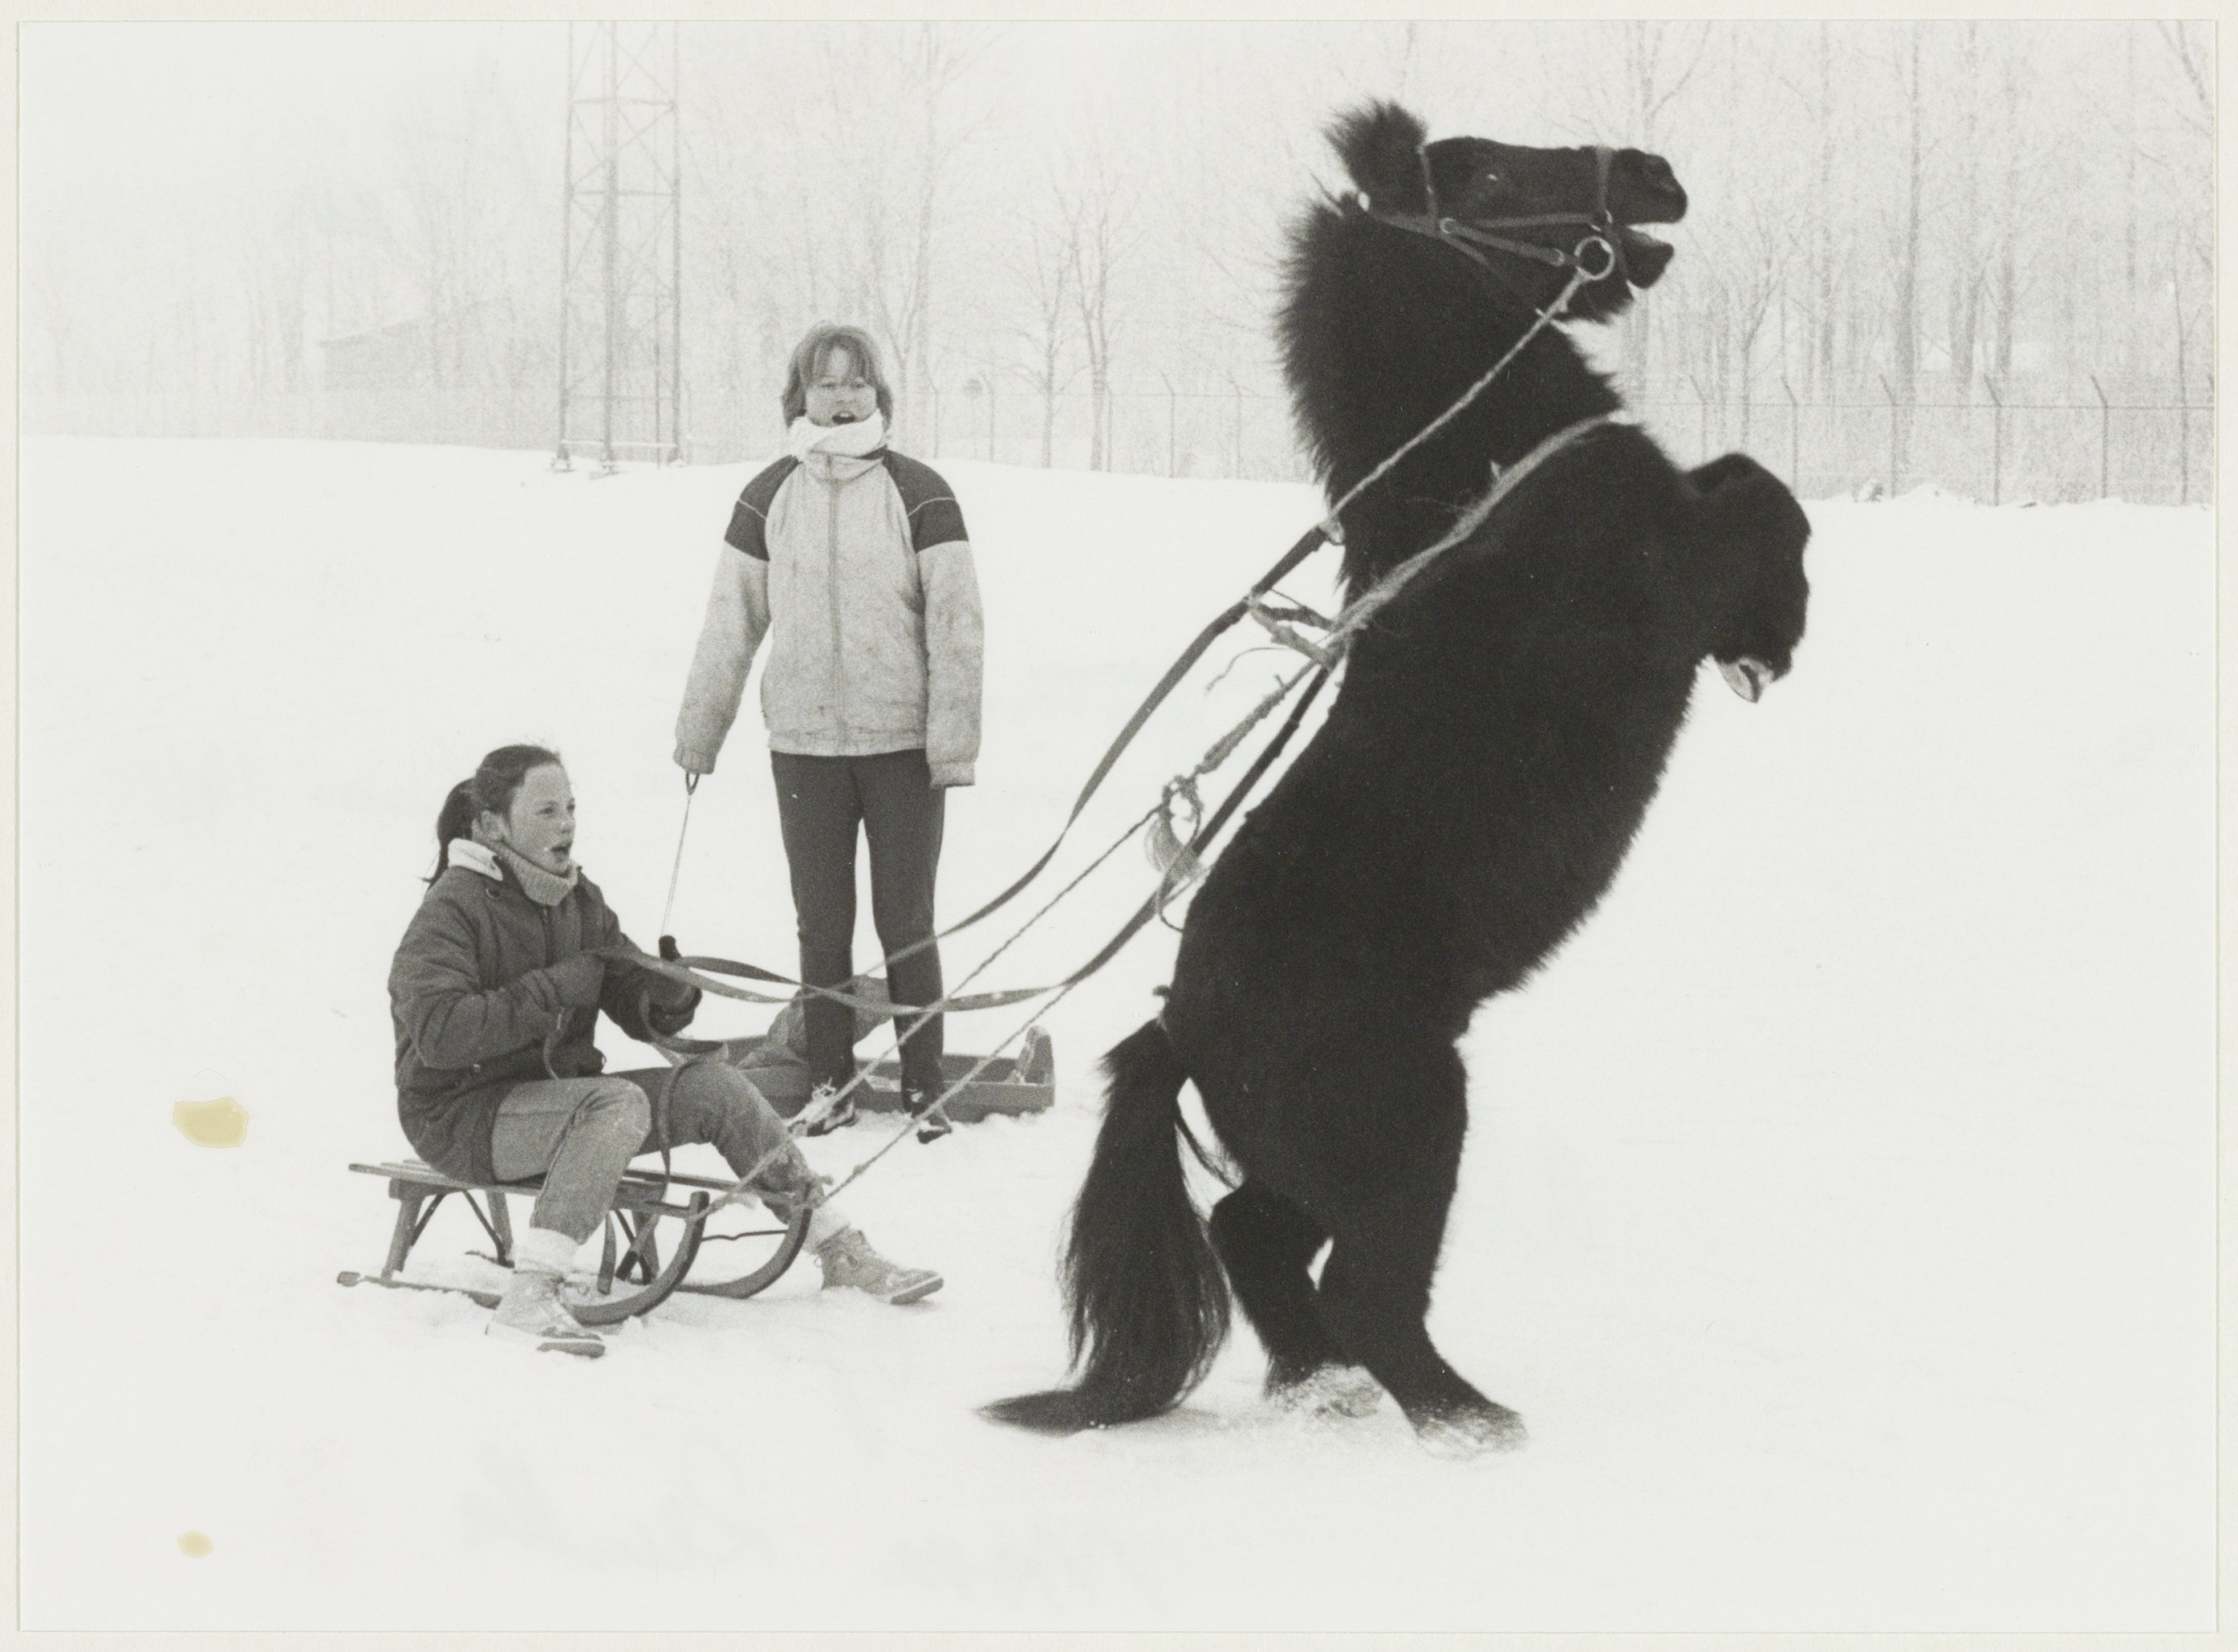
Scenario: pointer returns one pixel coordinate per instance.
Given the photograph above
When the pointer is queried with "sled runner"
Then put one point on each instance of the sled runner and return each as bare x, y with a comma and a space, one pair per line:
632, 1247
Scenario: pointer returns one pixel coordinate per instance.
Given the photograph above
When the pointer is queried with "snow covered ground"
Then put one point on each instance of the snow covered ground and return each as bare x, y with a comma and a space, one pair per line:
1838, 1209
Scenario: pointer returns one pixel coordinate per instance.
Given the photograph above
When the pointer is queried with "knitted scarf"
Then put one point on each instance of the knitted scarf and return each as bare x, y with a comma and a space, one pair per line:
539, 885
857, 440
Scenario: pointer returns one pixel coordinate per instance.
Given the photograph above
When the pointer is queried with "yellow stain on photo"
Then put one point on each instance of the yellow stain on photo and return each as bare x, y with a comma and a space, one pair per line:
222, 1123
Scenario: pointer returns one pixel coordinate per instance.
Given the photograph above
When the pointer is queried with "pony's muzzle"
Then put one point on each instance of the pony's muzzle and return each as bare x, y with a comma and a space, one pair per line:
1746, 676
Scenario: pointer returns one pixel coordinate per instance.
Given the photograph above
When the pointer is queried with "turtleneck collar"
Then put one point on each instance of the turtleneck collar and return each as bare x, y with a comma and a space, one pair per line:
536, 883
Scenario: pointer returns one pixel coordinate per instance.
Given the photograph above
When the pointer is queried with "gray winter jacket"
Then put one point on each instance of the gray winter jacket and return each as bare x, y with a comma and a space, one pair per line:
477, 1011
858, 571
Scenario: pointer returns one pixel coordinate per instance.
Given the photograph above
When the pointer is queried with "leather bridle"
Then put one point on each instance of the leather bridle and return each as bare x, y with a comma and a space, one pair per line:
1594, 256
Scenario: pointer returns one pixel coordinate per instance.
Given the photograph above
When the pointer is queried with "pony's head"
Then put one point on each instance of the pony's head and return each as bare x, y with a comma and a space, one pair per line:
1525, 218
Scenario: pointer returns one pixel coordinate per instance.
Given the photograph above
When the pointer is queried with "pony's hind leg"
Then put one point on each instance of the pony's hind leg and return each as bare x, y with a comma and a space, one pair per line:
1388, 1221
1373, 1295
1267, 1244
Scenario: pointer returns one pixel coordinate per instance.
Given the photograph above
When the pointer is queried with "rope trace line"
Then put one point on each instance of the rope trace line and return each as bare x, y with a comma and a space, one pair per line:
740, 1189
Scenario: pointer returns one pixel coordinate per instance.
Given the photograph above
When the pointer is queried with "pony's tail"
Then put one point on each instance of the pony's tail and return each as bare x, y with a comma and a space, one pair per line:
1148, 1298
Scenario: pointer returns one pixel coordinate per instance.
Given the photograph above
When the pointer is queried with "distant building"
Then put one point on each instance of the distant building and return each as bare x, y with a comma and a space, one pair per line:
482, 373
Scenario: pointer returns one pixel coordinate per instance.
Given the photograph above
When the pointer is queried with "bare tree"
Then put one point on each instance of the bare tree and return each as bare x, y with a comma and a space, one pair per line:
1904, 319
1829, 242
1046, 274
2193, 56
1659, 59
1966, 271
1098, 205
2189, 155
930, 66
1750, 280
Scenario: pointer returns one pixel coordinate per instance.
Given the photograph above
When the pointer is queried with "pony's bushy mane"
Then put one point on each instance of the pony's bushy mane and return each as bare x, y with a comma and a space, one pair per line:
1381, 145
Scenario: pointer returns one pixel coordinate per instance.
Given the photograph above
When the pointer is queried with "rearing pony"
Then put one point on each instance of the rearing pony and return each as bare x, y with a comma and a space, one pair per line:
1499, 730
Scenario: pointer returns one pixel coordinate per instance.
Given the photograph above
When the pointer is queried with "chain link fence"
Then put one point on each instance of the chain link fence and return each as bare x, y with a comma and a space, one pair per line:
1996, 451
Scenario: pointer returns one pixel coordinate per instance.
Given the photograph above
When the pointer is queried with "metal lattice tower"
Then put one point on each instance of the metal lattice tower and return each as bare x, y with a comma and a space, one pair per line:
621, 332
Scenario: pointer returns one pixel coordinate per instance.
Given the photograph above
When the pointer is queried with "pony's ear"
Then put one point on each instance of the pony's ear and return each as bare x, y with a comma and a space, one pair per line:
1381, 145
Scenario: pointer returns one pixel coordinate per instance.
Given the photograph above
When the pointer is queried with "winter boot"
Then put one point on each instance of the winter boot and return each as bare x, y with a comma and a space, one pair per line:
931, 1125
531, 1310
847, 1260
827, 1110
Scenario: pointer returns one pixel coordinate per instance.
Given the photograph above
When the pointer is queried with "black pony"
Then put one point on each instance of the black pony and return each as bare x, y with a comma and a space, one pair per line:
1500, 731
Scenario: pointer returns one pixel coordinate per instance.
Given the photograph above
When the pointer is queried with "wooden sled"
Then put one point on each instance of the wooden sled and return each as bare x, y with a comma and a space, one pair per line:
633, 1249
778, 1064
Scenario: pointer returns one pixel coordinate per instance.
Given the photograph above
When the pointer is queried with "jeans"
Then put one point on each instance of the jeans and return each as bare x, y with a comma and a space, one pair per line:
579, 1134
820, 803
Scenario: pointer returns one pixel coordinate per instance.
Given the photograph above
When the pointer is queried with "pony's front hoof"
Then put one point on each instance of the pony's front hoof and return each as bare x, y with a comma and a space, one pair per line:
1329, 1393
1746, 676
1457, 1436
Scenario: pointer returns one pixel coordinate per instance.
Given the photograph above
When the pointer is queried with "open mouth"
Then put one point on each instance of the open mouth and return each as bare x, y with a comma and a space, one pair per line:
1646, 256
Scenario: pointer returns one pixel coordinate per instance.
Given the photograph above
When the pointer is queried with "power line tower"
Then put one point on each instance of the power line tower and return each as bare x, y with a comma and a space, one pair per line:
622, 331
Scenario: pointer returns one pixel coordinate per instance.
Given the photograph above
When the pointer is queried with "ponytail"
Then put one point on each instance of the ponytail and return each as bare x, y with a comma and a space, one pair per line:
493, 786
456, 820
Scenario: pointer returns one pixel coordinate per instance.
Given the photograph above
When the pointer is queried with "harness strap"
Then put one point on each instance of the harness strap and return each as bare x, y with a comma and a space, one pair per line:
1460, 233
1357, 613
1309, 542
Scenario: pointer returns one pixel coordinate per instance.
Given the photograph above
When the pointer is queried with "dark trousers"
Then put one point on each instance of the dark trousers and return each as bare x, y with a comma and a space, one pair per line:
820, 802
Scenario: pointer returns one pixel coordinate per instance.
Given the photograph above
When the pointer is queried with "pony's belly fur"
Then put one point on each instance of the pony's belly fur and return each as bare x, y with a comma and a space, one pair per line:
1372, 901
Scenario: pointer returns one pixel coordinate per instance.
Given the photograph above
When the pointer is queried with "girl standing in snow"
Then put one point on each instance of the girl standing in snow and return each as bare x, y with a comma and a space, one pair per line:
495, 993
853, 560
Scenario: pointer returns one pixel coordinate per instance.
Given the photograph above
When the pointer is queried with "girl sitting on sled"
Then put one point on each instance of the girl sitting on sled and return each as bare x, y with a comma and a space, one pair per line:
495, 993
853, 560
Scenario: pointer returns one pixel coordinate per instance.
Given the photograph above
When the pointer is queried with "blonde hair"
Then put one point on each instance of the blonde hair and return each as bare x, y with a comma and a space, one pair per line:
809, 355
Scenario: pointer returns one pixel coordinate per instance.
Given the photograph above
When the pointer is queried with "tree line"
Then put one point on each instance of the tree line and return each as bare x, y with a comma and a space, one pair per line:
1908, 212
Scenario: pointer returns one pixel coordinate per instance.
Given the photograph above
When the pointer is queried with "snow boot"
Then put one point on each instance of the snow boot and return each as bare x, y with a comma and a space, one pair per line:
531, 1310
824, 1114
931, 1125
847, 1260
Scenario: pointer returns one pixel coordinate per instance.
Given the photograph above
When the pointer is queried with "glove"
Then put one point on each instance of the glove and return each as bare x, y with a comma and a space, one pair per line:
579, 980
661, 992
669, 1020
670, 995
